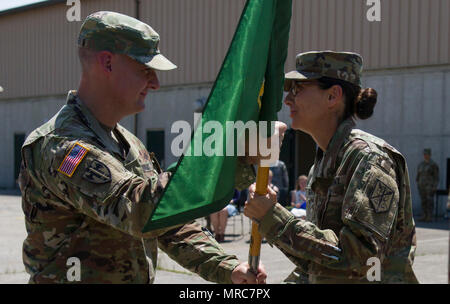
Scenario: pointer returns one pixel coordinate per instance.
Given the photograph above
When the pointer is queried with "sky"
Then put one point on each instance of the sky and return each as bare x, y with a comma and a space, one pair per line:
8, 4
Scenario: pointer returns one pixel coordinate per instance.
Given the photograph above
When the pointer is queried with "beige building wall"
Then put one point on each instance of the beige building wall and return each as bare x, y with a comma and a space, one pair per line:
410, 33
195, 34
38, 46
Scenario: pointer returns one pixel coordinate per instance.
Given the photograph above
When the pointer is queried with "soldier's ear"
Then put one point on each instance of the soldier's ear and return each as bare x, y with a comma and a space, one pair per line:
335, 94
104, 58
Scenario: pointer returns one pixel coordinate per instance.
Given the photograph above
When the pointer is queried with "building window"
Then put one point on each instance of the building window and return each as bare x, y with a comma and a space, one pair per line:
19, 139
155, 144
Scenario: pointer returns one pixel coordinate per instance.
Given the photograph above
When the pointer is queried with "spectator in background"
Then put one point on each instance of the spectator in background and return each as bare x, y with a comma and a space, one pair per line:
427, 179
219, 219
242, 198
281, 180
271, 185
298, 197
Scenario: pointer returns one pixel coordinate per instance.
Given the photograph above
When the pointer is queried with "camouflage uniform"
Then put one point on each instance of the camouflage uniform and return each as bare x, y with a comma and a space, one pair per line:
358, 202
97, 214
88, 190
427, 181
359, 206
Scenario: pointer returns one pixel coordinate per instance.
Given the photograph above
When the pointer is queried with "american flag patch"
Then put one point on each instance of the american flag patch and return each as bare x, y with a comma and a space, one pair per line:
73, 159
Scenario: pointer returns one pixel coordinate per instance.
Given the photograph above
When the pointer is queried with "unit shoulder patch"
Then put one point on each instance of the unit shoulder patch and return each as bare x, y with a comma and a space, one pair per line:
97, 173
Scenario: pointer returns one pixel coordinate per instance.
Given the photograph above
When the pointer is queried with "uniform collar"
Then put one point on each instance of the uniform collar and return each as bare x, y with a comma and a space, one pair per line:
325, 162
92, 123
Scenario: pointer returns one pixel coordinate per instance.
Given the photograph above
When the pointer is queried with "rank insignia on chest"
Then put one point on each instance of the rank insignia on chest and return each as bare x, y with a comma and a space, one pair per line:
73, 159
97, 173
381, 197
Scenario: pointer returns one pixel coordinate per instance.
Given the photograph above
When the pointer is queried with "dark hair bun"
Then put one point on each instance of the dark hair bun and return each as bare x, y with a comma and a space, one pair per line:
365, 102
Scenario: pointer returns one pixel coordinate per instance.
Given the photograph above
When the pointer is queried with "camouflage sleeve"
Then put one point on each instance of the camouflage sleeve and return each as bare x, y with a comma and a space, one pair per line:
368, 213
98, 186
245, 175
299, 239
196, 250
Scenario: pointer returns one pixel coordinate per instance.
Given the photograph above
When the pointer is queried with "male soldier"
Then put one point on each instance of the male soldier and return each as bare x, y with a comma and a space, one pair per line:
89, 186
427, 181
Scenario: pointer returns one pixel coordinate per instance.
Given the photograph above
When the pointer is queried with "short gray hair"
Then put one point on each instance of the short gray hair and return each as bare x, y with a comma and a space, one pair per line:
86, 57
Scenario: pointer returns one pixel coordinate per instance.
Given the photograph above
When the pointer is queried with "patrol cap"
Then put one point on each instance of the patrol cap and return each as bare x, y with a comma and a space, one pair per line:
427, 151
345, 66
122, 34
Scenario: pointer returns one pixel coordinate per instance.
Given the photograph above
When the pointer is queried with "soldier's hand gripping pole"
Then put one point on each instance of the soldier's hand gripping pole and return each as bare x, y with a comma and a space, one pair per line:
262, 179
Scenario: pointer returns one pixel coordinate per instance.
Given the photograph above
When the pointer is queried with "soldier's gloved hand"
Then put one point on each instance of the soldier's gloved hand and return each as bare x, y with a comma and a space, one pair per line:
243, 275
254, 155
258, 205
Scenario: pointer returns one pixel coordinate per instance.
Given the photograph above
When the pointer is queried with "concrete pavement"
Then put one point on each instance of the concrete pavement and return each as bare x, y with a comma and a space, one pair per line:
430, 266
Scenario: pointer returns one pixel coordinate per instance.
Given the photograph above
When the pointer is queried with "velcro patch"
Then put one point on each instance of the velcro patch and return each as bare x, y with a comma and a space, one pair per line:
73, 159
97, 173
381, 197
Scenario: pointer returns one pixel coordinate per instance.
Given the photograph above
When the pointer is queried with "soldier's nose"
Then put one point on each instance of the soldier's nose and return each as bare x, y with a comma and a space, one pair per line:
153, 81
288, 100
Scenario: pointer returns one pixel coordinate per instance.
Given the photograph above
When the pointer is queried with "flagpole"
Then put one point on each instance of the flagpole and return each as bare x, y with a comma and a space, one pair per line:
262, 179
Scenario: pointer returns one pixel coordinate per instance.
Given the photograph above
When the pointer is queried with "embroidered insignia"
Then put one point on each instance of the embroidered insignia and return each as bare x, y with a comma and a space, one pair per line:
73, 159
97, 173
381, 197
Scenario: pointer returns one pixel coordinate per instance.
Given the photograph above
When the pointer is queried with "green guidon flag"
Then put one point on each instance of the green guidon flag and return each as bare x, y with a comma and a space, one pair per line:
204, 184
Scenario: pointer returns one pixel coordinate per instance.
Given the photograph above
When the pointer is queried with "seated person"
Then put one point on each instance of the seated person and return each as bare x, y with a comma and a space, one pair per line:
219, 219
298, 198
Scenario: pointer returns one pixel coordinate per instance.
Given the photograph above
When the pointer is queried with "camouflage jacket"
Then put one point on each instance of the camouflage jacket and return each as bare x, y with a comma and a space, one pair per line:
428, 175
83, 197
359, 207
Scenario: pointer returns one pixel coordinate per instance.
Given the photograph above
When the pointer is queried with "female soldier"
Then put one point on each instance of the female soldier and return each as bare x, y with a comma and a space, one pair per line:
359, 225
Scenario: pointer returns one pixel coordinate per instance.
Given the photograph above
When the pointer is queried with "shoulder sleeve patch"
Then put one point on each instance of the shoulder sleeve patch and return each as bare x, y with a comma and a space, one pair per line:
97, 173
372, 199
73, 159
